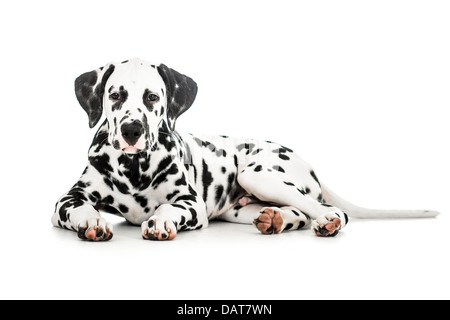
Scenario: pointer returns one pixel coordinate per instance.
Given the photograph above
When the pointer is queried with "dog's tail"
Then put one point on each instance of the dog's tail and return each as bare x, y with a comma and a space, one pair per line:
358, 212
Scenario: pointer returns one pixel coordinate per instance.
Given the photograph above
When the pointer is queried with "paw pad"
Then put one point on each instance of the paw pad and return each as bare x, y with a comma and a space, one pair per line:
269, 221
158, 229
95, 233
329, 229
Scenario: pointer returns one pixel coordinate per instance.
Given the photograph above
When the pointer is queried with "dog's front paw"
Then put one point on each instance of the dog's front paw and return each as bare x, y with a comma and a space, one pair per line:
157, 228
95, 229
327, 225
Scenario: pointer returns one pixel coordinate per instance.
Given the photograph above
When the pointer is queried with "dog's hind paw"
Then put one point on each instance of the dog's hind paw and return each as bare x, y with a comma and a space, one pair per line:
326, 226
269, 221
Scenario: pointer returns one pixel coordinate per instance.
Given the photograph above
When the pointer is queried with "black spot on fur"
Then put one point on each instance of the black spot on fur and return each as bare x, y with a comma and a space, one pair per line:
122, 187
192, 191
221, 152
219, 192
258, 168
186, 197
248, 146
278, 168
96, 194
234, 190
108, 182
193, 222
320, 197
171, 195
231, 179
198, 141
141, 200
282, 150
181, 181
282, 153
313, 175
236, 162
288, 226
208, 145
182, 220
207, 179
256, 151
101, 164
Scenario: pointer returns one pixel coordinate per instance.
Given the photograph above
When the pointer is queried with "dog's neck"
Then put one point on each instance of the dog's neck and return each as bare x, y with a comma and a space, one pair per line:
143, 164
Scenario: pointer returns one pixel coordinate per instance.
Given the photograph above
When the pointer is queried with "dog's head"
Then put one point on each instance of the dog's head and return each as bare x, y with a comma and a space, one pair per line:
138, 98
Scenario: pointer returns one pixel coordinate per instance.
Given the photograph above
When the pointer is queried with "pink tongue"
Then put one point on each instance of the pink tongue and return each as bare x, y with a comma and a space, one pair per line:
131, 149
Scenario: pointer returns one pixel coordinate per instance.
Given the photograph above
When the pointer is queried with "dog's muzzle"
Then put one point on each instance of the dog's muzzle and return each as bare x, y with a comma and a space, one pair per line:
131, 133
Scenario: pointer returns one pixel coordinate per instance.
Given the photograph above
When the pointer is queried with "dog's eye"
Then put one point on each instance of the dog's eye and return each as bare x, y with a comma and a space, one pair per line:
114, 96
152, 97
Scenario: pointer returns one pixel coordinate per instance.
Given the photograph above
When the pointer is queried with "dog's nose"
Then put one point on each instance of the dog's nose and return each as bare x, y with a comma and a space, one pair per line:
131, 132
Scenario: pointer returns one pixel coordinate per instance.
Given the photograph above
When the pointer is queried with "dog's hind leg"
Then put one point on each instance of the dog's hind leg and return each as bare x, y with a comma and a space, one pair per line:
268, 219
279, 189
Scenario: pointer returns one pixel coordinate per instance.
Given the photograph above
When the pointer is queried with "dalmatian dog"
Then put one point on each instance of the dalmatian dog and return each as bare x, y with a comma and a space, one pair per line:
140, 168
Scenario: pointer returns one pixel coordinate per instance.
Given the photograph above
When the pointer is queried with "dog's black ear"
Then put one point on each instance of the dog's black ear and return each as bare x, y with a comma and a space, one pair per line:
89, 89
181, 92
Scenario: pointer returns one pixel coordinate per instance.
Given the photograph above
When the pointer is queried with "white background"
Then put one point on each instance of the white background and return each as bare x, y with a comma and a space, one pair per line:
360, 89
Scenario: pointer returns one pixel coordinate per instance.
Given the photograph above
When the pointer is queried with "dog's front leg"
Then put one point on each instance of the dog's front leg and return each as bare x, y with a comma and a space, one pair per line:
75, 211
187, 212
